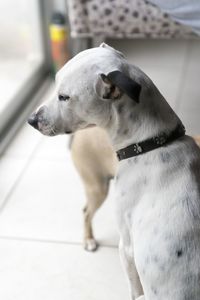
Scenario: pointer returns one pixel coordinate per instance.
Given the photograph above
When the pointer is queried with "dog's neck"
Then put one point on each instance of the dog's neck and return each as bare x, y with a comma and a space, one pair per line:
133, 123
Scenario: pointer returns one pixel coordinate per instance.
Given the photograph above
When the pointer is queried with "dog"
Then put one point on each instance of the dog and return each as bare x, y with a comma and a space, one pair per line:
96, 162
157, 183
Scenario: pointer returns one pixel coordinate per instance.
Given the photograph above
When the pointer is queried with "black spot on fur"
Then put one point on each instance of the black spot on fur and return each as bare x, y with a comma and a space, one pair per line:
165, 157
154, 290
179, 253
125, 131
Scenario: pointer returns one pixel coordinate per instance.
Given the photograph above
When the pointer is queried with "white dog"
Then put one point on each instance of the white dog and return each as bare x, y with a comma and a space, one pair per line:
157, 185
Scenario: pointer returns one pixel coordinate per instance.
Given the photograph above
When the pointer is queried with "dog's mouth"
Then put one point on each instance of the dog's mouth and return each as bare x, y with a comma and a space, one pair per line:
68, 132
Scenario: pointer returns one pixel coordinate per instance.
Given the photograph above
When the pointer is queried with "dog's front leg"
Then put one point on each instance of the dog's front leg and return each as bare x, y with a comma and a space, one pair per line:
127, 258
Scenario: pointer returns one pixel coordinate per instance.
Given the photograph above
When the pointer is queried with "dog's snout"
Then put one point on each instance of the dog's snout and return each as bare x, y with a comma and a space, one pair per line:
41, 110
36, 117
33, 120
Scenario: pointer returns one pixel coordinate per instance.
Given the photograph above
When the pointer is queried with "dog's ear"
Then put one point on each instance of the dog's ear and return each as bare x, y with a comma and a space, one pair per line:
104, 45
105, 89
114, 84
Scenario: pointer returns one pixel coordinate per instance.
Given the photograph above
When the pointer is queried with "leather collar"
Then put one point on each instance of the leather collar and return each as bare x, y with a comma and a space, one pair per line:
151, 143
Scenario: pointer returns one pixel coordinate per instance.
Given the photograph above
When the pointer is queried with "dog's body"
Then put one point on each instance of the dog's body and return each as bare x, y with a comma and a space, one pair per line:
157, 193
96, 163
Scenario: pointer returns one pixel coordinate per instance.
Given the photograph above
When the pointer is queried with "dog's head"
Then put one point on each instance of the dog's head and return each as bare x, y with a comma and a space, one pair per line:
86, 88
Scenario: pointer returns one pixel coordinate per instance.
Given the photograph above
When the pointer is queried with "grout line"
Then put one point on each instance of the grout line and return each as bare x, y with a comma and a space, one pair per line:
18, 179
42, 241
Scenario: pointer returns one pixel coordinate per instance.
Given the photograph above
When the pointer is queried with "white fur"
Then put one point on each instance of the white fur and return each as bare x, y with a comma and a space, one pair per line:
157, 193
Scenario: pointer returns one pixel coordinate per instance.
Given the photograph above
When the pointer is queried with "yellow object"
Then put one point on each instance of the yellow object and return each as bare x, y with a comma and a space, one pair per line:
58, 33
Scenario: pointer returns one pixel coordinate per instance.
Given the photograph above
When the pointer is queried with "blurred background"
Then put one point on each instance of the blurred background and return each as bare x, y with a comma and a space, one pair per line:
41, 193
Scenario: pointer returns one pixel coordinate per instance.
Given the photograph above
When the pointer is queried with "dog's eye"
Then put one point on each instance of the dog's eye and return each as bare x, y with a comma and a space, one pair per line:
63, 97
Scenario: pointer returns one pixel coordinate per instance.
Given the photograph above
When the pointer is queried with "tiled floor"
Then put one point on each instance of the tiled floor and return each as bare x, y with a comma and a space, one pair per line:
41, 196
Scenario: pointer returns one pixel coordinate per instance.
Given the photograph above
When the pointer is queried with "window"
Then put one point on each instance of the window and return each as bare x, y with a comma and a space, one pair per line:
23, 63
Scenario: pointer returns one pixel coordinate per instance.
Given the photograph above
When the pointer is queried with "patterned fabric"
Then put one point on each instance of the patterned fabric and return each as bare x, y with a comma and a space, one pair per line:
122, 19
184, 11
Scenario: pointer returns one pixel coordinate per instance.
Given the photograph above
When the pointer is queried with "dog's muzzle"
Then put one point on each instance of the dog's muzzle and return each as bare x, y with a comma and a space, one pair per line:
36, 117
33, 120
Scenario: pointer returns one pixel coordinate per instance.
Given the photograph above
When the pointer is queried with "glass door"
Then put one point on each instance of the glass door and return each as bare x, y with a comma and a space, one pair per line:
23, 61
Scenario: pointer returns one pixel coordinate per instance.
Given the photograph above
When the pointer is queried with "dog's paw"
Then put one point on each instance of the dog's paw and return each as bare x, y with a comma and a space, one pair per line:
90, 245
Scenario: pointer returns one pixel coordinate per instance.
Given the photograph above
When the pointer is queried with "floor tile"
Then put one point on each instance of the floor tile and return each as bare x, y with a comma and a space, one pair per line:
47, 204
49, 271
10, 172
53, 148
24, 143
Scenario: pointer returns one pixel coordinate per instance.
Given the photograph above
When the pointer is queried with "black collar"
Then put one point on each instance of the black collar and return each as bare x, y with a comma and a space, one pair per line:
151, 144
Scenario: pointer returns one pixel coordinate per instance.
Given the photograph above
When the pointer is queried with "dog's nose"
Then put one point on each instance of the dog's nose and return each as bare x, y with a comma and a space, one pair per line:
33, 120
